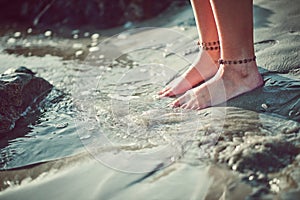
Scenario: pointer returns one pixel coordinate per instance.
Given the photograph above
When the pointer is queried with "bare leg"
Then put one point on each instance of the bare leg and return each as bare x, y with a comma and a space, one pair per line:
205, 66
234, 19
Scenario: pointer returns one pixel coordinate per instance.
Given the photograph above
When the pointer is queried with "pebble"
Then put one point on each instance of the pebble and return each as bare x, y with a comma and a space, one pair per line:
260, 176
128, 25
251, 178
101, 56
248, 133
78, 53
27, 44
29, 30
231, 161
17, 34
123, 36
114, 62
274, 185
48, 33
94, 44
62, 125
11, 40
264, 106
86, 34
234, 167
75, 36
77, 46
95, 36
75, 32
92, 49
7, 183
237, 139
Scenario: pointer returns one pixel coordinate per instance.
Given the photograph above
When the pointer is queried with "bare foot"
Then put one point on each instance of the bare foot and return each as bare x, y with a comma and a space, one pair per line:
203, 69
229, 81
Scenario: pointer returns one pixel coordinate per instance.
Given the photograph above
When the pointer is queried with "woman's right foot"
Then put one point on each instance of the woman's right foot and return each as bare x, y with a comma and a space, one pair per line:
204, 68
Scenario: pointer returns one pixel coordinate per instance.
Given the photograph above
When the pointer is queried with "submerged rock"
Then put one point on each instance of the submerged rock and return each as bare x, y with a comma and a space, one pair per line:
18, 92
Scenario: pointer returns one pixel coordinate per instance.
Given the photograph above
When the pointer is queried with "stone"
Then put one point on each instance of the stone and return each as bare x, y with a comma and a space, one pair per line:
75, 13
19, 91
48, 33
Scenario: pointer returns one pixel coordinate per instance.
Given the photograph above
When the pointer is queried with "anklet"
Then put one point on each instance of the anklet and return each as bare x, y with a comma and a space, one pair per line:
246, 60
209, 46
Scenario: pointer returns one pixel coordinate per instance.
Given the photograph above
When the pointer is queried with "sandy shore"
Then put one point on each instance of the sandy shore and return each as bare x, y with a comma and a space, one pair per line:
257, 154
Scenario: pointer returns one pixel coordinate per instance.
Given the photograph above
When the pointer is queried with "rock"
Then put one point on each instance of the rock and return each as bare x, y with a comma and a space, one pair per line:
25, 70
74, 13
18, 92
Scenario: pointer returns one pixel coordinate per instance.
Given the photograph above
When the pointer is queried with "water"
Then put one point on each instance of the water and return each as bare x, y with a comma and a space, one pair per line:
46, 133
107, 105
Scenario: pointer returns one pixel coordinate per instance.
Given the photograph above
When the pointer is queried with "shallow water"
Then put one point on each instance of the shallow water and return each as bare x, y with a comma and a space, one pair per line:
106, 104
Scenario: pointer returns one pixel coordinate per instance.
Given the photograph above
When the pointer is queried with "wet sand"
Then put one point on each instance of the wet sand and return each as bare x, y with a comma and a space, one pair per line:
249, 147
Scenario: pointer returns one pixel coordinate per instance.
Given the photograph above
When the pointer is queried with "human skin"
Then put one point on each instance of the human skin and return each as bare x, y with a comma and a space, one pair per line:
234, 23
204, 67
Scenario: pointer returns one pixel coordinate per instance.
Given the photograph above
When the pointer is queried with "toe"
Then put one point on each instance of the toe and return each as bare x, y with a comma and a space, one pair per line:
175, 103
169, 93
192, 106
184, 106
164, 90
179, 102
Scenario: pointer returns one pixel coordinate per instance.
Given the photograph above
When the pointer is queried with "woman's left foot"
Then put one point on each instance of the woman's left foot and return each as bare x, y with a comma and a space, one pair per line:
230, 81
204, 68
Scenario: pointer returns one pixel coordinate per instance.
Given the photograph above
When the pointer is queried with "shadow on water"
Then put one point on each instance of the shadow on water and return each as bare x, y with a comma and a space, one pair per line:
280, 95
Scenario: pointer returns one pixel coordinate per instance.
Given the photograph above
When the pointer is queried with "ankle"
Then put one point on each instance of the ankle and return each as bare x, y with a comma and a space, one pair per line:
237, 61
211, 48
243, 67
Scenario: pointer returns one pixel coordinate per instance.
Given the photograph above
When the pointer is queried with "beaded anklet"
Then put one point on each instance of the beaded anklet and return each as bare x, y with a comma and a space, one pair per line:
246, 60
209, 46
